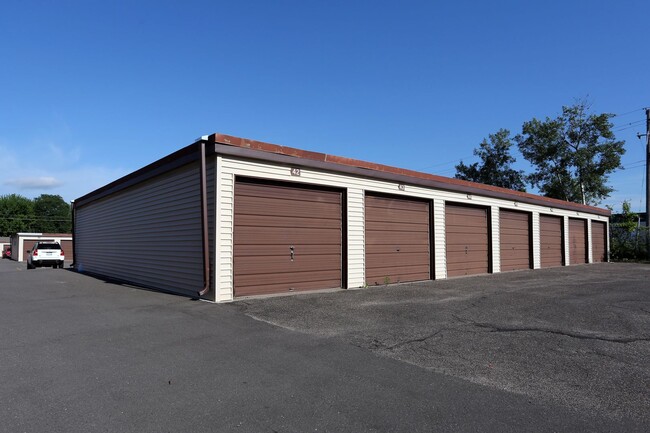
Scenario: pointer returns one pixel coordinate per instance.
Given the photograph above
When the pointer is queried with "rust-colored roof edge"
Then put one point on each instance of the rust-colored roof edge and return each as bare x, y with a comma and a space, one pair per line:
487, 190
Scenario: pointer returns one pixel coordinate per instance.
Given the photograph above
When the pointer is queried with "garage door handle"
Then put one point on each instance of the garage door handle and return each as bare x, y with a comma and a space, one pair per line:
291, 252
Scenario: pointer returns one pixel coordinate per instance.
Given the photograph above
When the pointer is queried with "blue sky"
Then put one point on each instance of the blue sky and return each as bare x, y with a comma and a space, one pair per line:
92, 90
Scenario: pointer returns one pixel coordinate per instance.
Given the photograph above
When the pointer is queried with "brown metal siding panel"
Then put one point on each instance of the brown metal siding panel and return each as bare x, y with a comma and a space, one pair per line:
599, 241
467, 240
27, 247
514, 240
67, 249
148, 234
272, 218
397, 240
551, 241
577, 241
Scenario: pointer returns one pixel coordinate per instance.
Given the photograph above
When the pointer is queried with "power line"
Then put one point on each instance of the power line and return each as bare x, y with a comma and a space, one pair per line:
629, 112
39, 219
635, 122
628, 125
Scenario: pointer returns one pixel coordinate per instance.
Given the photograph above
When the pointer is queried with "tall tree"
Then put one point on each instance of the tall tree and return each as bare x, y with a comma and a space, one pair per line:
16, 214
572, 154
52, 214
495, 166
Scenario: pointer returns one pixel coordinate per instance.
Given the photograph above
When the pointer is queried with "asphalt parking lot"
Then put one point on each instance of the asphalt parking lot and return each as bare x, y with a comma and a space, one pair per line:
577, 336
534, 352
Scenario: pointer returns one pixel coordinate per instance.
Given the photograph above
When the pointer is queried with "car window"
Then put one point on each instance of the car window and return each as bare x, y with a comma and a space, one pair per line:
53, 246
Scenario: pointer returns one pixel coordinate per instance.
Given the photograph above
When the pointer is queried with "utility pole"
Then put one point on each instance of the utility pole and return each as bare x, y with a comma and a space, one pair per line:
647, 182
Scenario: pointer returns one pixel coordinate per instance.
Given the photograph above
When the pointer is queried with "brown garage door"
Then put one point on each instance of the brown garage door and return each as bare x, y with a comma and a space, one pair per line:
286, 238
551, 234
67, 249
28, 244
397, 240
598, 241
577, 241
27, 247
515, 240
467, 240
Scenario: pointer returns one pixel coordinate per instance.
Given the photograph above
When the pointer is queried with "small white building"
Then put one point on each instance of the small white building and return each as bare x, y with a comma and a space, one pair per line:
22, 243
228, 217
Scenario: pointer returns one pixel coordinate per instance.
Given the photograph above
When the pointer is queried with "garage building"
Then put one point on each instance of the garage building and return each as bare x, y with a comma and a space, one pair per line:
22, 243
227, 217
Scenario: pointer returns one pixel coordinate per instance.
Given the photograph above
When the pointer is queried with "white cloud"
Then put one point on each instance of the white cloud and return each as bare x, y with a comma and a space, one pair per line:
42, 182
30, 170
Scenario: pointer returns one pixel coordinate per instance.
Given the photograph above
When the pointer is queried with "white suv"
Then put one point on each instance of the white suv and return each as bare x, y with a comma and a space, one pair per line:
45, 254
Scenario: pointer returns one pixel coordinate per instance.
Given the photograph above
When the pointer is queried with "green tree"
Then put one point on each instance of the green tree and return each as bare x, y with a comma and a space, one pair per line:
627, 237
572, 154
495, 166
16, 214
52, 214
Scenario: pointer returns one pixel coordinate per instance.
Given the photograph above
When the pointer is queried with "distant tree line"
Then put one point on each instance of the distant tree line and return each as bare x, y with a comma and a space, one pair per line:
43, 214
571, 156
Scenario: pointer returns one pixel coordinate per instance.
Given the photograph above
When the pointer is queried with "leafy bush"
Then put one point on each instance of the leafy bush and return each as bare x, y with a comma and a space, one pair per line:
627, 236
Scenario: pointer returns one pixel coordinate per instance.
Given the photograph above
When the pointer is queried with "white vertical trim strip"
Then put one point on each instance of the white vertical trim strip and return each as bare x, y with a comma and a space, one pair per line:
537, 242
496, 239
225, 210
567, 257
356, 238
439, 249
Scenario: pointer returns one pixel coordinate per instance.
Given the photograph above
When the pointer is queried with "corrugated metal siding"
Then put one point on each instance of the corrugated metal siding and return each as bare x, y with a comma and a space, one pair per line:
577, 241
286, 238
467, 240
598, 241
551, 241
397, 240
356, 237
515, 240
149, 234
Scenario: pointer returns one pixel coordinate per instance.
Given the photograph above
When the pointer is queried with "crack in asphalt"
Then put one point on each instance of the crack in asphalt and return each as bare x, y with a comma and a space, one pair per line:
416, 340
506, 329
428, 337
